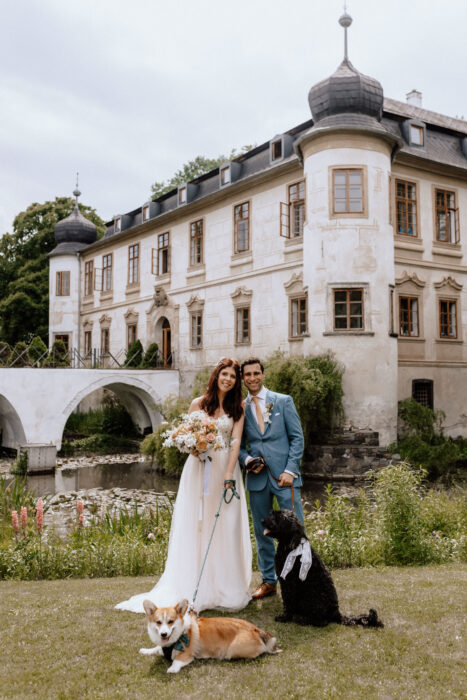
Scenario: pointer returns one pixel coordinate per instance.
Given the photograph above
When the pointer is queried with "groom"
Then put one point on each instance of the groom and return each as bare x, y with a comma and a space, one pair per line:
271, 452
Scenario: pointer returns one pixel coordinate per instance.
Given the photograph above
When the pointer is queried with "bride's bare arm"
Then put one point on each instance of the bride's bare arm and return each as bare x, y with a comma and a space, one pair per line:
235, 448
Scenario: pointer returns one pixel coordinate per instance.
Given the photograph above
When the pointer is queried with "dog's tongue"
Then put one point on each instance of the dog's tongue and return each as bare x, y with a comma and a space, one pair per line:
266, 531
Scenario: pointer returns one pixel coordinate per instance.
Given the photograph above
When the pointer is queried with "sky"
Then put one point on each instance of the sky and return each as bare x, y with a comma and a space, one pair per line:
126, 92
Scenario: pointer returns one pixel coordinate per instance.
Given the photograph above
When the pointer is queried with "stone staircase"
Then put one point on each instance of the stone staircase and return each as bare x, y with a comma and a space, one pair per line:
347, 456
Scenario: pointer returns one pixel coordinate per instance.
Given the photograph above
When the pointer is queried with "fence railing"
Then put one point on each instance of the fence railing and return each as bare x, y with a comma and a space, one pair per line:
93, 359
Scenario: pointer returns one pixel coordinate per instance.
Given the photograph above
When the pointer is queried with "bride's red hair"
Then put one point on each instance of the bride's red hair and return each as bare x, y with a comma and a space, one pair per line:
233, 400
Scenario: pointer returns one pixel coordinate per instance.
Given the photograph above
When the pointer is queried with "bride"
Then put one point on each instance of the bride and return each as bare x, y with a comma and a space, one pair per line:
227, 572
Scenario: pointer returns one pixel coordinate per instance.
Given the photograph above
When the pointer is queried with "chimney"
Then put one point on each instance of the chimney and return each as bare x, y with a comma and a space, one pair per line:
414, 97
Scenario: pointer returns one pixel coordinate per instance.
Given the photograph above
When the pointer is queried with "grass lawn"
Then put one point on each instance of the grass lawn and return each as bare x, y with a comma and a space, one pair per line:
63, 639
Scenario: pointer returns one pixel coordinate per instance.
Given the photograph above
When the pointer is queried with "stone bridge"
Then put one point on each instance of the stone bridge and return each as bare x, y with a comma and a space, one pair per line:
35, 403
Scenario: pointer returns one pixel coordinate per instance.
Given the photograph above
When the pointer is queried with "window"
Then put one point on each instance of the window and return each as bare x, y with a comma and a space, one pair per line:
196, 242
408, 317
107, 272
225, 175
297, 208
242, 227
406, 208
105, 341
298, 317
448, 318
416, 135
163, 254
447, 224
63, 284
65, 338
276, 150
87, 342
422, 391
182, 195
131, 335
146, 212
88, 278
133, 264
118, 224
242, 325
348, 309
196, 330
348, 191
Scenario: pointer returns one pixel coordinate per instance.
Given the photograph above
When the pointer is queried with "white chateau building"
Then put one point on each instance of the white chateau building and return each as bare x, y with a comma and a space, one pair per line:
346, 234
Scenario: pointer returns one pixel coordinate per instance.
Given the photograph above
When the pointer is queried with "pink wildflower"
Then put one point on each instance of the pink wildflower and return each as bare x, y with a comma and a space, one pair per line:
39, 515
79, 506
14, 521
24, 518
320, 533
151, 536
80, 520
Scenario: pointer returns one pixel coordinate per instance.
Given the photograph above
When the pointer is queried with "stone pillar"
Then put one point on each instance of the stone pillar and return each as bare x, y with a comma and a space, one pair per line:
41, 458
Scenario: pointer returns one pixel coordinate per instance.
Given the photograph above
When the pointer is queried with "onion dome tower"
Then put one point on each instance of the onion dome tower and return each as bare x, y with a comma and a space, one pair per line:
348, 241
75, 232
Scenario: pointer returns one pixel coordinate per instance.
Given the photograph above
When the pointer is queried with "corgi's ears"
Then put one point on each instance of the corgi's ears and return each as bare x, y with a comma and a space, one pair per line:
182, 607
149, 607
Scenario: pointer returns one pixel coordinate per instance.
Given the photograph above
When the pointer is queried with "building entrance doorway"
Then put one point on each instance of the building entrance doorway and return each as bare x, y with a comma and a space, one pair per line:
166, 343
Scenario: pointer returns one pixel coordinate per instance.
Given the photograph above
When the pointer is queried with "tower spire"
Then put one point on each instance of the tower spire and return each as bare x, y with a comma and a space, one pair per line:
76, 191
345, 21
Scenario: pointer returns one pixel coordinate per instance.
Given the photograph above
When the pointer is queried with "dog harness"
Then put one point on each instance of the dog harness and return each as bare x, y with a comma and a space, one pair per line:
304, 551
180, 645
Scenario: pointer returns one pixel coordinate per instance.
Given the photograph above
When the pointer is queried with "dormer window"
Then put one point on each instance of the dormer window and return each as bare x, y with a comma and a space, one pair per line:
276, 150
225, 175
182, 194
416, 135
118, 224
146, 212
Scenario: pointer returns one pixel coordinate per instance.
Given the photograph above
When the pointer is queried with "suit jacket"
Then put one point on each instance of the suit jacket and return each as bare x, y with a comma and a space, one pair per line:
281, 445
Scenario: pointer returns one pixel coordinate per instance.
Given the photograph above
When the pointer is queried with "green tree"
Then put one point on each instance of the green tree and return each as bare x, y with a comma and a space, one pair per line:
135, 354
193, 169
24, 269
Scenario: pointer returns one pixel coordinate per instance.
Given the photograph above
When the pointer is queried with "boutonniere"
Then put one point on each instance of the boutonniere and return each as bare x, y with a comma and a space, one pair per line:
267, 412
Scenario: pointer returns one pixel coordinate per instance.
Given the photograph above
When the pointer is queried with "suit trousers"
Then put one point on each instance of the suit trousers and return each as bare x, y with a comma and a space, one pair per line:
261, 505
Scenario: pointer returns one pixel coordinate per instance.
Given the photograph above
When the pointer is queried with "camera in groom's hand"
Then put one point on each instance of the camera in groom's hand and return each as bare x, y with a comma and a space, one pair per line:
255, 465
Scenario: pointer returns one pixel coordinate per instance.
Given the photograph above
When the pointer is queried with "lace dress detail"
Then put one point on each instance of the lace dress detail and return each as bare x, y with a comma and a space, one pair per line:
227, 573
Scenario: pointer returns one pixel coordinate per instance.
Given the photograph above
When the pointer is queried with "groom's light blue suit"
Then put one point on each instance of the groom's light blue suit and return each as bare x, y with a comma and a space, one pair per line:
281, 445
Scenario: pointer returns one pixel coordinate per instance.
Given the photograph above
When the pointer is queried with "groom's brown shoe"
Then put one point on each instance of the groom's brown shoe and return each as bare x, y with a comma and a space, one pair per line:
263, 591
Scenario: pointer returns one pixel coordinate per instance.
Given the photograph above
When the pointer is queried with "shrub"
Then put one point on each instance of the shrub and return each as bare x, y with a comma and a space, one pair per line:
151, 356
168, 460
422, 442
315, 384
134, 356
200, 381
19, 355
37, 350
58, 355
5, 352
100, 443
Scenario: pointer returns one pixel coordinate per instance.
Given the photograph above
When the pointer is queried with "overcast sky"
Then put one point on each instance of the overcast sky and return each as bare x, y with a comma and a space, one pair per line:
126, 91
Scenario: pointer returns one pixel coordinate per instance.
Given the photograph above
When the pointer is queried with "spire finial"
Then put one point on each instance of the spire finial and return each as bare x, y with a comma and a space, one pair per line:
76, 191
345, 21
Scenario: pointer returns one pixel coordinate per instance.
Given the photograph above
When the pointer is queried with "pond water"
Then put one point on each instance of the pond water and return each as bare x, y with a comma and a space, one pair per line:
135, 475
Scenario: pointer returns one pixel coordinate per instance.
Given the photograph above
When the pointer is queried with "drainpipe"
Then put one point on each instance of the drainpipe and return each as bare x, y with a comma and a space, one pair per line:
79, 304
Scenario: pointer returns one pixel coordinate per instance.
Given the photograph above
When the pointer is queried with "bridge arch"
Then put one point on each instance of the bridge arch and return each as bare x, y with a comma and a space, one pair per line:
12, 432
139, 398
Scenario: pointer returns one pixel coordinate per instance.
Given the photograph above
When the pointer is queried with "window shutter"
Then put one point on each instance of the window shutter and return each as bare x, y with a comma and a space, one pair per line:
98, 273
154, 262
456, 215
284, 220
168, 258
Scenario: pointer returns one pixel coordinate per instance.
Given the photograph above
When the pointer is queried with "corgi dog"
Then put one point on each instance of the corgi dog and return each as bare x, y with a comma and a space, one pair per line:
181, 636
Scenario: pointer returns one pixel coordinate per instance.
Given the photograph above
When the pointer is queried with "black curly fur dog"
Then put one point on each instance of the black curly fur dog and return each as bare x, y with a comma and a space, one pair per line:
314, 600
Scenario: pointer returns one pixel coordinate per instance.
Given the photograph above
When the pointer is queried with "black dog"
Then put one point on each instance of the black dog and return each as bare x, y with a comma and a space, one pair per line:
312, 601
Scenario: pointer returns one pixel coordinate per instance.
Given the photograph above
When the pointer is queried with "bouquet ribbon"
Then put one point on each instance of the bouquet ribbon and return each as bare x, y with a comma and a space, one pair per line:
206, 460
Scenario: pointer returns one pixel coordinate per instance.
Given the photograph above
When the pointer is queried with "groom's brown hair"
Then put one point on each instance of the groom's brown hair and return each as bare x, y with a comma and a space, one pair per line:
251, 361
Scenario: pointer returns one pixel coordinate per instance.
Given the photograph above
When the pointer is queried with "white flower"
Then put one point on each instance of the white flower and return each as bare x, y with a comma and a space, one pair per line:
151, 536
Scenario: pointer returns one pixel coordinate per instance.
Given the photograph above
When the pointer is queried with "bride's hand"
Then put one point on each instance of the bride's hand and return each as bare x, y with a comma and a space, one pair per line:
228, 482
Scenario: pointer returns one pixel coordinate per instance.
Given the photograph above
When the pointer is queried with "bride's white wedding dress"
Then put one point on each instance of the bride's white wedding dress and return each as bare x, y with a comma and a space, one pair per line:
227, 573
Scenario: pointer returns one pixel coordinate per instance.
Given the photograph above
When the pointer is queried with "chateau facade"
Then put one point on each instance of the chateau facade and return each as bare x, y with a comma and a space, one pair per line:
345, 234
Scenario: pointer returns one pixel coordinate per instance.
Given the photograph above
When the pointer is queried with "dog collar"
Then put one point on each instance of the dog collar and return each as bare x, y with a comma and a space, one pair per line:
180, 645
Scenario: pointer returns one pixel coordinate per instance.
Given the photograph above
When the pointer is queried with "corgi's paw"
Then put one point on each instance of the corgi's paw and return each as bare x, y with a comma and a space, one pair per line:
155, 651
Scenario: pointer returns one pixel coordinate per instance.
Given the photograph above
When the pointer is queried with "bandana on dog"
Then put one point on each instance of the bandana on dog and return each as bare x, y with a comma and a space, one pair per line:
304, 551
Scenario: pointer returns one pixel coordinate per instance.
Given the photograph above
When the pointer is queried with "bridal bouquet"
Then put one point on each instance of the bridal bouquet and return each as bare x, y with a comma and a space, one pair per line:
196, 434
